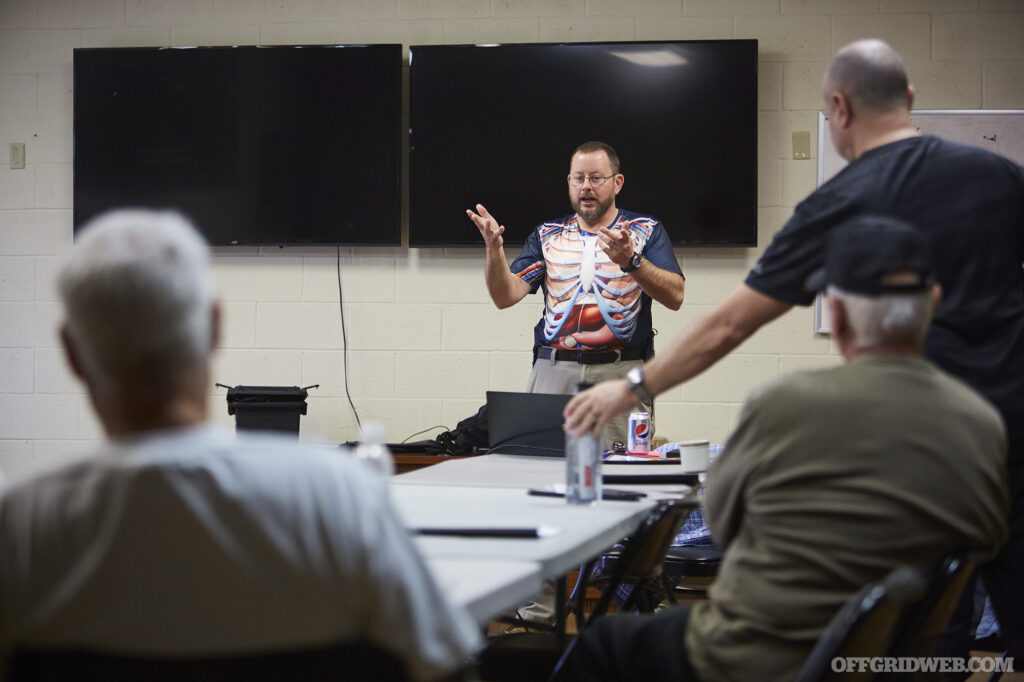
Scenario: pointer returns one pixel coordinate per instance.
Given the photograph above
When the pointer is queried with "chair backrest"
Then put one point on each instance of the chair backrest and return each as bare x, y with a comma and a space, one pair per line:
924, 624
351, 661
863, 627
643, 553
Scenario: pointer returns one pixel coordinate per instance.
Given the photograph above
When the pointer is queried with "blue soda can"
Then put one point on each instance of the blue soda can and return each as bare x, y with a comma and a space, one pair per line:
639, 436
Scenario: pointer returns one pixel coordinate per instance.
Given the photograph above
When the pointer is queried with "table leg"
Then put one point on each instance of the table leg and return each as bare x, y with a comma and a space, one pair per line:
560, 609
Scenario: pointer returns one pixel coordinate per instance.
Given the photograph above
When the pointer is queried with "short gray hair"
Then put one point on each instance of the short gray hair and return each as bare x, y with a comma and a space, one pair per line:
890, 317
137, 292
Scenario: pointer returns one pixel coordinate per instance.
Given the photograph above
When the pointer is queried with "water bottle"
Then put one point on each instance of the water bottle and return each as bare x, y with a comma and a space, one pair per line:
373, 451
582, 465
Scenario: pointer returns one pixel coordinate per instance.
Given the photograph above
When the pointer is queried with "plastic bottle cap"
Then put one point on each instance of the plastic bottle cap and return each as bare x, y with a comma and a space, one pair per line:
372, 432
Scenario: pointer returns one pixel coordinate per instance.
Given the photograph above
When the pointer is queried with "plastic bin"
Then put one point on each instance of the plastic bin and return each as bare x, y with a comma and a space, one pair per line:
267, 408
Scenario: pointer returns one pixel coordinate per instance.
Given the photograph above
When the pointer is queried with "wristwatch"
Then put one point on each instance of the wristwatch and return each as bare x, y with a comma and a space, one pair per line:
635, 381
634, 262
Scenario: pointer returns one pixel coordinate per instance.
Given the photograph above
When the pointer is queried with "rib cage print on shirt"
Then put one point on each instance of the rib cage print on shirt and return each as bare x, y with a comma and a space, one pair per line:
589, 302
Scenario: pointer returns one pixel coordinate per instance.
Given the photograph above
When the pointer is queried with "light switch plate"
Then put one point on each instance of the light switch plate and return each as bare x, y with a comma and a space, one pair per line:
802, 144
17, 155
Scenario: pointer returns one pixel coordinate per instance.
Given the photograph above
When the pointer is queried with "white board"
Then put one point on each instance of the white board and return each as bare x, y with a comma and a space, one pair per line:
997, 130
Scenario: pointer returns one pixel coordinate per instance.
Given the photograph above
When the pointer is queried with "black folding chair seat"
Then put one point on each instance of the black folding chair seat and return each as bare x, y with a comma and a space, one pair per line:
698, 561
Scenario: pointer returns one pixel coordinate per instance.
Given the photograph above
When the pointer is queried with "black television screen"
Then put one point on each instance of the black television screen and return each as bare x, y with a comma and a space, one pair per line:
257, 145
497, 125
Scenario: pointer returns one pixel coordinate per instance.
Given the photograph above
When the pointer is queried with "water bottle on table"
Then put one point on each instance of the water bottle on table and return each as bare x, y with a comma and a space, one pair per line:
582, 465
373, 451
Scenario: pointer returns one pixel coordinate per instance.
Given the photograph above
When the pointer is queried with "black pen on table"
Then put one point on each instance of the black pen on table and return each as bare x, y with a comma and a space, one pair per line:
606, 494
538, 532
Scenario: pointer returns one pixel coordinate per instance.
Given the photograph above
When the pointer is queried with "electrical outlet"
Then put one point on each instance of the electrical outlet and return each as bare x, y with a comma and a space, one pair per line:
17, 155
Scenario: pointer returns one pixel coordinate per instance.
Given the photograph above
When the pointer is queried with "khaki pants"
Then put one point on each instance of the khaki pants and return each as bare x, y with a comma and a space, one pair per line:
561, 376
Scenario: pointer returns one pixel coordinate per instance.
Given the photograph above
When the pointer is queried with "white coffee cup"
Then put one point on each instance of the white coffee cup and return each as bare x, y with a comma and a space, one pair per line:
694, 455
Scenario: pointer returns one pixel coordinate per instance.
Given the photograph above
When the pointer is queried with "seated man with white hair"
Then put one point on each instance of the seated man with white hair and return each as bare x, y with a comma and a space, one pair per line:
178, 539
832, 479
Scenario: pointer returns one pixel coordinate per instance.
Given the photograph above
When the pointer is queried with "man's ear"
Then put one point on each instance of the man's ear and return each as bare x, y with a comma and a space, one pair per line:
936, 296
71, 353
840, 322
619, 181
910, 97
841, 109
836, 314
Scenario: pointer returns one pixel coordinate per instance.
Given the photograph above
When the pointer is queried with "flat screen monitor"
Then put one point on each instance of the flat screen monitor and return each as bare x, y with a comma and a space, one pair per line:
497, 125
257, 145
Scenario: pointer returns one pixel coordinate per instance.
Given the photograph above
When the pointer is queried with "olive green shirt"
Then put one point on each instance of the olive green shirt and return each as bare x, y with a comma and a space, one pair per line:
832, 479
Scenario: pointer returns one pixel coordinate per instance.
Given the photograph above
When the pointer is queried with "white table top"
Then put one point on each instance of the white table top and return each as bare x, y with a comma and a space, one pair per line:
524, 471
488, 575
583, 532
486, 588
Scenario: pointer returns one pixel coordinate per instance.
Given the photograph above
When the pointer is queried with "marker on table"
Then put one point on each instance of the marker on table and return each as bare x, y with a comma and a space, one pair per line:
606, 494
537, 532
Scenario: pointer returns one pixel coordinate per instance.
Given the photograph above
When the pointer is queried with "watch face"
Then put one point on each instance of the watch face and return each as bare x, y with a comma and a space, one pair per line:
635, 376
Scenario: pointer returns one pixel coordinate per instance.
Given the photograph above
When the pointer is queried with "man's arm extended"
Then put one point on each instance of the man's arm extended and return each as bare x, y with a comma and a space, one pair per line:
505, 288
711, 338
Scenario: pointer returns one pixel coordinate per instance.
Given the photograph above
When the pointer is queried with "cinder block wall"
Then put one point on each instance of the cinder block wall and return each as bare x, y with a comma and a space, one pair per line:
425, 342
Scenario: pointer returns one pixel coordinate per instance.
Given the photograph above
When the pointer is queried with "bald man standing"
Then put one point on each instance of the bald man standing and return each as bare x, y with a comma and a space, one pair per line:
971, 205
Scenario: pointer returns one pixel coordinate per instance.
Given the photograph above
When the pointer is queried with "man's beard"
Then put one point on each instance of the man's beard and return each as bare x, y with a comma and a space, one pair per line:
593, 213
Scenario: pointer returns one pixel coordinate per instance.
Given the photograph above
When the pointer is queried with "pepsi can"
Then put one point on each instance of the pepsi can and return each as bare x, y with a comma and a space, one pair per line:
639, 436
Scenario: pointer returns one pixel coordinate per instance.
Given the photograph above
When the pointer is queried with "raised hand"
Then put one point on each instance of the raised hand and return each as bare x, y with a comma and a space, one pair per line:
489, 228
617, 244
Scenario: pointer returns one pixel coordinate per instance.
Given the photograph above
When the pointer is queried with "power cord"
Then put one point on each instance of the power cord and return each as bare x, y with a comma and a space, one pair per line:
344, 340
439, 426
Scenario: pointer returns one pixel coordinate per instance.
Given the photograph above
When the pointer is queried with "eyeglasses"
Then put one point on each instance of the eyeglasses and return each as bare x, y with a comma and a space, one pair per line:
595, 180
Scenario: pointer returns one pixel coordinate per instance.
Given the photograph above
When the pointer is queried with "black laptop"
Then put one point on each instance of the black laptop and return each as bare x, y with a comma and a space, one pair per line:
526, 423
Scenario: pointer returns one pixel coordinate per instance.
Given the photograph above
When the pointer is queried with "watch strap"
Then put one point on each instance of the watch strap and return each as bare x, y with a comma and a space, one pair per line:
638, 387
634, 263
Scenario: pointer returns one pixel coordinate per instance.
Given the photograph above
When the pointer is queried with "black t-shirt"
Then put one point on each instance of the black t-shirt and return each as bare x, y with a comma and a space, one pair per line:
971, 204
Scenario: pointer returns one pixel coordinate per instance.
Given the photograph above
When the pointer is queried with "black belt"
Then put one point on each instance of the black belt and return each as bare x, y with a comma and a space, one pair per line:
590, 357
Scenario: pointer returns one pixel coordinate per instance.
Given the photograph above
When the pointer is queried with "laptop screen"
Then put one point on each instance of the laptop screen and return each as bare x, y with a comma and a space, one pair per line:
526, 423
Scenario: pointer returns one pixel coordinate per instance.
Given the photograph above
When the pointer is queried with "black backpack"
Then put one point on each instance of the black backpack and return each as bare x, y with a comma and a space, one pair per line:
468, 437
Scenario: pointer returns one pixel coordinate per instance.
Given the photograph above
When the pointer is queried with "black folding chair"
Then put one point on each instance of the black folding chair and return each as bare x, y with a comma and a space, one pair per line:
696, 561
640, 560
863, 627
925, 623
521, 657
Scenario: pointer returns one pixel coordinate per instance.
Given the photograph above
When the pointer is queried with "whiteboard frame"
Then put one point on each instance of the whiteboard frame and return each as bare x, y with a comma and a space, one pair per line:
822, 323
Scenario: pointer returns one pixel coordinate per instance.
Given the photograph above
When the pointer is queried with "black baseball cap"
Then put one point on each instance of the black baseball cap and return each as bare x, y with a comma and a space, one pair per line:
875, 255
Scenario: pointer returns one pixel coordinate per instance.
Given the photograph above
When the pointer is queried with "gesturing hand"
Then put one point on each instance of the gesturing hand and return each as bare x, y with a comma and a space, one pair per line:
489, 228
617, 244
